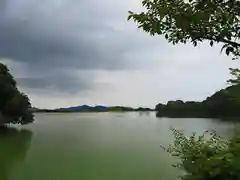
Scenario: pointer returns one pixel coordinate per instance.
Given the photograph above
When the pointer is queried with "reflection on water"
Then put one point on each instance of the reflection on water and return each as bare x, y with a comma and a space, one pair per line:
144, 113
14, 145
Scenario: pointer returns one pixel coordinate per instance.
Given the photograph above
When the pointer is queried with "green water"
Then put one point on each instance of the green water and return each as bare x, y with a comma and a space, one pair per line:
95, 146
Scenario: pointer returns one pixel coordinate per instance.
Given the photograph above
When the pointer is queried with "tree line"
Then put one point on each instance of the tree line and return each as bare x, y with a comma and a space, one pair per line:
222, 104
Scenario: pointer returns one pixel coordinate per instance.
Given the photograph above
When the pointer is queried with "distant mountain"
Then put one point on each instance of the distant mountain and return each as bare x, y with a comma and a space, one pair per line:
84, 108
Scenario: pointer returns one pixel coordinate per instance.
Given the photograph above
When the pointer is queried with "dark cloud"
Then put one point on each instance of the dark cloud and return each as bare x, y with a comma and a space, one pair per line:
70, 34
54, 38
43, 49
51, 40
66, 84
3, 4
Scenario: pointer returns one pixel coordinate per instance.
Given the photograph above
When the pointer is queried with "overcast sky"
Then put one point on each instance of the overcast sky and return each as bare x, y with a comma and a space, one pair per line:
72, 52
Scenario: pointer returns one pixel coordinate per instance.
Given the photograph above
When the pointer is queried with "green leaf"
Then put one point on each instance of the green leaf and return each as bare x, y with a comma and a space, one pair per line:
130, 15
224, 46
211, 43
195, 43
229, 49
166, 36
229, 35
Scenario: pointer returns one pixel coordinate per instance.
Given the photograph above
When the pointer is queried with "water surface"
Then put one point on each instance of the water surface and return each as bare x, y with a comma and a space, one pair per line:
96, 146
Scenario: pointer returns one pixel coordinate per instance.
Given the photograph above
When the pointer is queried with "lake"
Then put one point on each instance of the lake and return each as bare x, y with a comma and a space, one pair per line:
96, 146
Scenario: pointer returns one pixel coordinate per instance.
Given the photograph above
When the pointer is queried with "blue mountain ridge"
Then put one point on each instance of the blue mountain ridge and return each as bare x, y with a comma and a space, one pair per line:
84, 108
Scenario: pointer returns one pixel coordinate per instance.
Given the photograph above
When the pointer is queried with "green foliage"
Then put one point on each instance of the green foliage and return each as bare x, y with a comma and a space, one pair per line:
222, 104
120, 108
206, 158
184, 109
235, 72
143, 109
123, 108
14, 105
180, 21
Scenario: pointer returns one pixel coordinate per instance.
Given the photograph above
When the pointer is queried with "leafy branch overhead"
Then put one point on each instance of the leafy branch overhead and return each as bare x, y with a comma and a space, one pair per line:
180, 21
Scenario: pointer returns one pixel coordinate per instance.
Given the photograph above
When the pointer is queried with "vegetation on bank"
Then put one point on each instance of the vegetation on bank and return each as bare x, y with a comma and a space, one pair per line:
206, 157
222, 104
14, 105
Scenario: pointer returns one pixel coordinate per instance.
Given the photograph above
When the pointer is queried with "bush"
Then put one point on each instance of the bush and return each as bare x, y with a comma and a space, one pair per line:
206, 157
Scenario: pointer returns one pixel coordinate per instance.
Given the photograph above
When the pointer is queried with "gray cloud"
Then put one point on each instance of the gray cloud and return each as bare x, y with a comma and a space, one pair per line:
67, 84
58, 37
70, 34
55, 38
20, 42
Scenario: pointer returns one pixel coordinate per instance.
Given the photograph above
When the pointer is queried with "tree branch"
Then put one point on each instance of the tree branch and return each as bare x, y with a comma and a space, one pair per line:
234, 44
